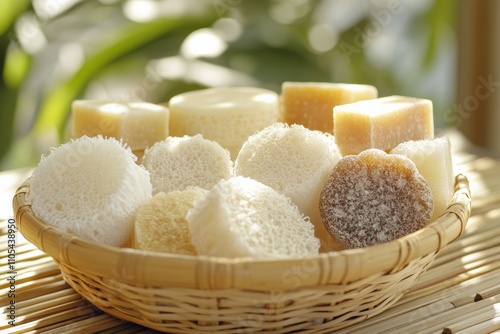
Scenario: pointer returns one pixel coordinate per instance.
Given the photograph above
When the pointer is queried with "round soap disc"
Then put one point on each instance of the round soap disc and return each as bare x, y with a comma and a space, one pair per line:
374, 197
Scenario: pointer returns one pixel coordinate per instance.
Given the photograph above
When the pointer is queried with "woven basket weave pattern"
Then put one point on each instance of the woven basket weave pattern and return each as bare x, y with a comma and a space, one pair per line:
183, 310
189, 294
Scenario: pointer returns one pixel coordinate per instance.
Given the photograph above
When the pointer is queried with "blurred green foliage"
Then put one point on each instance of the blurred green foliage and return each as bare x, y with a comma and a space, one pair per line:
55, 51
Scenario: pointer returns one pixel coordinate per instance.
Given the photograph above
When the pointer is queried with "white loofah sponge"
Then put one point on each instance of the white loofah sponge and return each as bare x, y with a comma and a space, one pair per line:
180, 162
242, 217
90, 187
295, 161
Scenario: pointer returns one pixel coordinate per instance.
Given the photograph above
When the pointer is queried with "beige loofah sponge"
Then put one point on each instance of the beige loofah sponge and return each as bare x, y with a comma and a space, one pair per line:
294, 161
180, 162
243, 217
161, 225
90, 187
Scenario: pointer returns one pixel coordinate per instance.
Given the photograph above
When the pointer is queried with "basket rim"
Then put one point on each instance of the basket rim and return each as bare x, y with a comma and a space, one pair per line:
155, 269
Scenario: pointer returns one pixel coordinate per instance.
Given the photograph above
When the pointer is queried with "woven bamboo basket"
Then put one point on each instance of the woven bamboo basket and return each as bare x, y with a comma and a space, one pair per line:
192, 294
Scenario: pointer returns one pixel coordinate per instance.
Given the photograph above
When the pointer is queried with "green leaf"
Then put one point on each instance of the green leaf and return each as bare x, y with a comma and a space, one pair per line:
9, 11
17, 63
441, 14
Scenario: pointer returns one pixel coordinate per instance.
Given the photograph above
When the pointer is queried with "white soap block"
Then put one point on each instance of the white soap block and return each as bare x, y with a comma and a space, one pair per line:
139, 124
434, 162
227, 115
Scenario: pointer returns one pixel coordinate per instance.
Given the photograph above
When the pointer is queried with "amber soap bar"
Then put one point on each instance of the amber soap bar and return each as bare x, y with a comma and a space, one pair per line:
382, 123
311, 103
138, 124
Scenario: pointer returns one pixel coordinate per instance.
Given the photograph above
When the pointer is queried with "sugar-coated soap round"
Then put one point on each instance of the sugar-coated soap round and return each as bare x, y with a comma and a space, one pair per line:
374, 197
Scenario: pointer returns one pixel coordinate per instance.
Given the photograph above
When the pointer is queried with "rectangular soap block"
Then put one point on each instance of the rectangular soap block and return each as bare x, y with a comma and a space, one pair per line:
434, 162
382, 123
138, 124
311, 103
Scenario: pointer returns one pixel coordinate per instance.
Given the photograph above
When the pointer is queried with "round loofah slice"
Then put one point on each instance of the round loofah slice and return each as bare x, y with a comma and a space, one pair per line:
296, 162
374, 197
161, 225
90, 187
190, 161
241, 217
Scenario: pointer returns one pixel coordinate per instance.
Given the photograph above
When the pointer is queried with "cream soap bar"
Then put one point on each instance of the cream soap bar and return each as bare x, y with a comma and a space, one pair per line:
382, 123
139, 124
227, 115
434, 162
311, 103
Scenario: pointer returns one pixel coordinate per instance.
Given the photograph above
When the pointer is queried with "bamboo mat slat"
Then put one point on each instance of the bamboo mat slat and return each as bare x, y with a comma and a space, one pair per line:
459, 293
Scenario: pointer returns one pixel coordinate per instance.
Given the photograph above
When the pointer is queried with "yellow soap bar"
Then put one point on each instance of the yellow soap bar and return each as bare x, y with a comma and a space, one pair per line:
382, 123
434, 162
227, 115
311, 103
138, 124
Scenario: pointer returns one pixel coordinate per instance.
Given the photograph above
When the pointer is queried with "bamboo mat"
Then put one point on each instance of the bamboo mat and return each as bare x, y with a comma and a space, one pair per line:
460, 293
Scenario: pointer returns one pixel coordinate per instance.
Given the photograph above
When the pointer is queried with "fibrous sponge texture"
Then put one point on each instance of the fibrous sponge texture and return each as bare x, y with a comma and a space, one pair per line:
241, 217
180, 162
161, 225
90, 187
